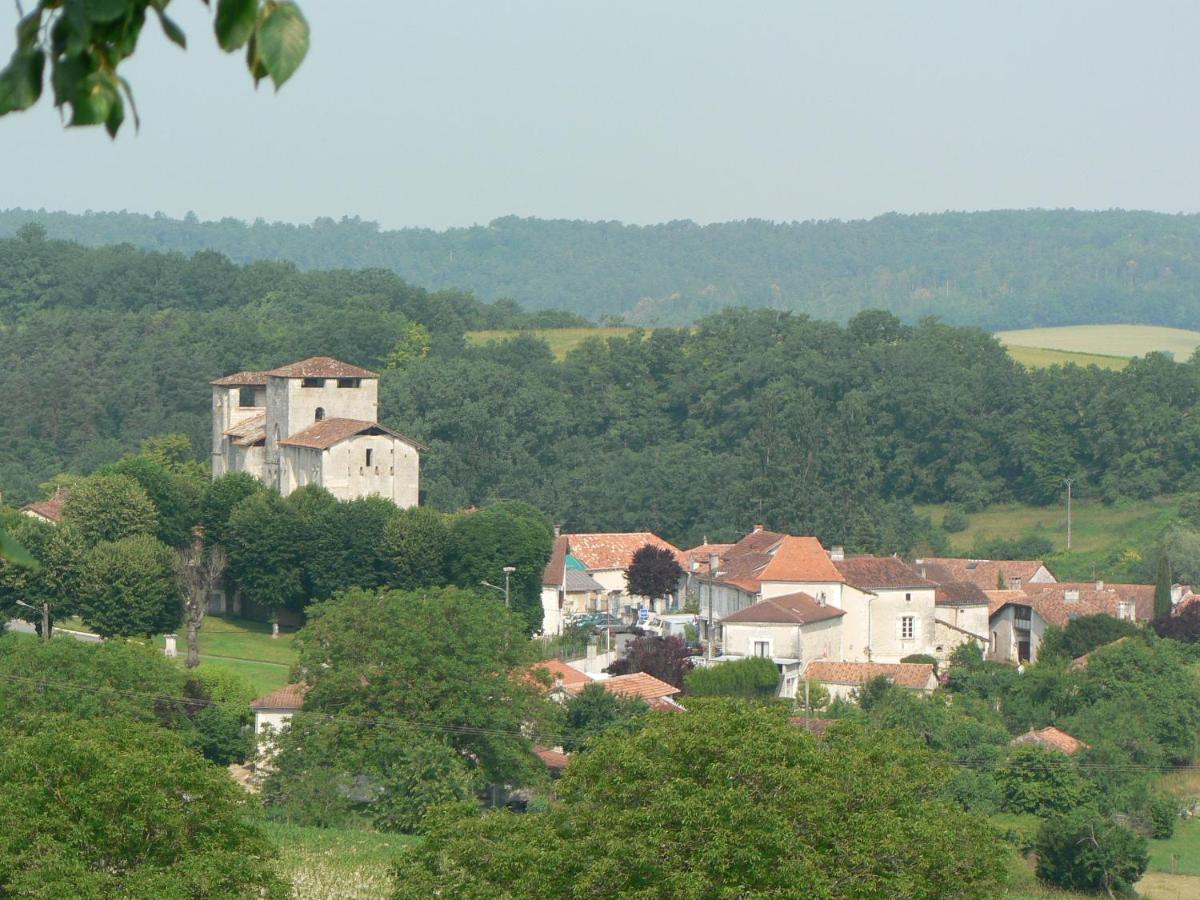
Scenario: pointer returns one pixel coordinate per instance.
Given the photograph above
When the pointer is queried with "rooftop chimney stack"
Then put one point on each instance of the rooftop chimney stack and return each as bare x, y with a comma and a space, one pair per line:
714, 563
1099, 585
758, 528
837, 553
1070, 596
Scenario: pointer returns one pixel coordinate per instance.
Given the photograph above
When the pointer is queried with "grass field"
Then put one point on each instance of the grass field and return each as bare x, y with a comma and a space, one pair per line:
561, 340
1043, 358
246, 648
340, 865
1108, 340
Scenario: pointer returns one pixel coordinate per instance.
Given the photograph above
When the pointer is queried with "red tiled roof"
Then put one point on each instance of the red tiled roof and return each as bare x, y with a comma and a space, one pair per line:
560, 671
326, 433
640, 685
555, 760
290, 696
49, 509
1058, 605
909, 675
999, 599
790, 609
986, 573
960, 593
800, 559
702, 555
554, 575
242, 379
614, 550
757, 541
321, 367
881, 572
1052, 739
1141, 595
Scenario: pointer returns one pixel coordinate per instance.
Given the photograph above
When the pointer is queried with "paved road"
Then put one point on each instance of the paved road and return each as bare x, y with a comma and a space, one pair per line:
26, 628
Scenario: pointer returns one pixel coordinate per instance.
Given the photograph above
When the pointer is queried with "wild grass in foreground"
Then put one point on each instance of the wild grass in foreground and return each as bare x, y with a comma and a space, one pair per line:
332, 864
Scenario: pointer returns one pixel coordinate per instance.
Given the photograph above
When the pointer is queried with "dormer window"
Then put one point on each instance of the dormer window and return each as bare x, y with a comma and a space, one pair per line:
320, 413
349, 382
312, 382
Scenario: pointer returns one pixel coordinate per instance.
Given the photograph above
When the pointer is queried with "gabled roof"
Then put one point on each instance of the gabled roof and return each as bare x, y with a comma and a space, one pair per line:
614, 550
324, 434
559, 671
640, 685
757, 541
321, 367
1051, 738
986, 573
288, 697
960, 593
555, 760
578, 581
249, 431
790, 609
49, 509
888, 572
1140, 595
997, 600
1058, 605
800, 559
241, 379
554, 573
701, 555
918, 676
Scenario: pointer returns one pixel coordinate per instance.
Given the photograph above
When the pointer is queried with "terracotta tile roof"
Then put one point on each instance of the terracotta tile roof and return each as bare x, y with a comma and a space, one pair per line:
614, 550
555, 760
640, 685
1058, 605
290, 696
742, 571
790, 609
910, 675
757, 541
49, 509
999, 599
960, 593
871, 572
321, 367
560, 671
702, 554
554, 573
1081, 662
800, 559
664, 704
326, 433
242, 379
985, 573
250, 431
1051, 738
1140, 595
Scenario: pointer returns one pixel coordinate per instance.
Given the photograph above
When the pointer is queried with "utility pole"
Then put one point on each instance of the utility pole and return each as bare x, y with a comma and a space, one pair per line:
1069, 482
45, 611
507, 589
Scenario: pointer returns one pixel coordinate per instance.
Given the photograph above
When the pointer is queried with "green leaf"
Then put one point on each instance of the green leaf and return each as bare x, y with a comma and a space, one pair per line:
172, 31
116, 116
13, 552
27, 30
80, 27
128, 91
66, 74
93, 104
235, 22
282, 42
253, 62
106, 10
21, 81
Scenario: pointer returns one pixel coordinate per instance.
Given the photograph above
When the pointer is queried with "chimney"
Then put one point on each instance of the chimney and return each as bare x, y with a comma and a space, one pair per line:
821, 599
714, 563
1070, 596
557, 531
923, 572
837, 553
758, 528
1099, 585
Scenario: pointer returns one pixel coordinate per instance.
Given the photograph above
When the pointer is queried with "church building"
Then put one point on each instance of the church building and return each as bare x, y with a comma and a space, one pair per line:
312, 422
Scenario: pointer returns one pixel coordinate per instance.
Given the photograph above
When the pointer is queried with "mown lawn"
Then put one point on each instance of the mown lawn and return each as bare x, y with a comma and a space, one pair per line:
340, 865
561, 340
245, 648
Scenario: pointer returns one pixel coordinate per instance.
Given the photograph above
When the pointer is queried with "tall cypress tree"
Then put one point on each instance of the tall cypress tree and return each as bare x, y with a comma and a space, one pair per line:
1162, 587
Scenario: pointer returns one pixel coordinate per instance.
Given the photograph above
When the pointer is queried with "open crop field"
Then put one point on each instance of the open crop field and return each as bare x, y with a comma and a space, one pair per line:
561, 340
1042, 358
1106, 340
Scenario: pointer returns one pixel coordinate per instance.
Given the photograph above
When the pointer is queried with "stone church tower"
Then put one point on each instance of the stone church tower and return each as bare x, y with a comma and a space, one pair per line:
312, 422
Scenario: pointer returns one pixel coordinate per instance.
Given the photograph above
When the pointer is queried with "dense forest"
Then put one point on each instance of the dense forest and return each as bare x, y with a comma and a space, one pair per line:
754, 415
996, 270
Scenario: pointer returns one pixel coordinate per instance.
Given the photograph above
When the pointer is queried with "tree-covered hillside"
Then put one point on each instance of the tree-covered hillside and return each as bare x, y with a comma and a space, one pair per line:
754, 415
996, 270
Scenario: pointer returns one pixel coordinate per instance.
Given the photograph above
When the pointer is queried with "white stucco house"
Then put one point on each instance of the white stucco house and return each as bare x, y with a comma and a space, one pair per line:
312, 422
568, 589
605, 556
272, 713
960, 617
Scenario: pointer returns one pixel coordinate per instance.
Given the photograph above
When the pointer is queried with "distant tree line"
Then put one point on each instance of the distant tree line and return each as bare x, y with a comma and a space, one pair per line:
997, 270
752, 416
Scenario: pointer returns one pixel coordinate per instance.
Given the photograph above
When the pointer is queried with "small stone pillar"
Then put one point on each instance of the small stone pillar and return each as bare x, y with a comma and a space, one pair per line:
169, 649
274, 629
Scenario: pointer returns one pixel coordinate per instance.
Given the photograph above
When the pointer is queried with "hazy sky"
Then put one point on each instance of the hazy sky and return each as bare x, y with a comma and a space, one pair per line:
450, 113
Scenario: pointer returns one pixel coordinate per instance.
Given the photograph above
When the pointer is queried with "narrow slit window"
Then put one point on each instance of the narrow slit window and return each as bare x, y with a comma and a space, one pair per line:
320, 413
370, 453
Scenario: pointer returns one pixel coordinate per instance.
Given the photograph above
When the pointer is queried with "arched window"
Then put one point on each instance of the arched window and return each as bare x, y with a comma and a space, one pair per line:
320, 413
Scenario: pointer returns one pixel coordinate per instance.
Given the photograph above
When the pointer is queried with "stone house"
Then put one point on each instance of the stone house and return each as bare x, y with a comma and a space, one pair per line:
272, 713
960, 617
842, 679
606, 555
986, 574
312, 422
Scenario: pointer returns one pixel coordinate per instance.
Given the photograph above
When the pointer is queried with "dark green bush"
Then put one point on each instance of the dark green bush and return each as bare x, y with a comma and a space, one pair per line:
756, 677
955, 519
1083, 851
921, 658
